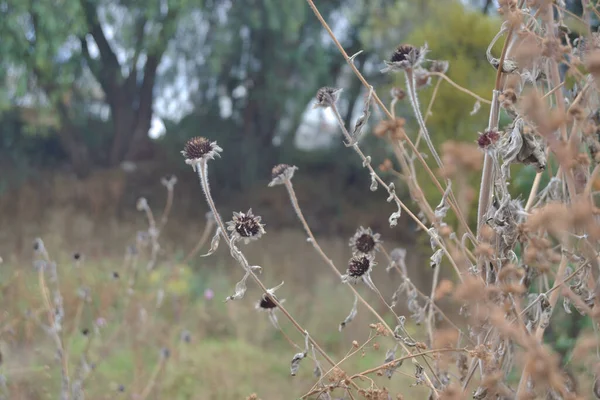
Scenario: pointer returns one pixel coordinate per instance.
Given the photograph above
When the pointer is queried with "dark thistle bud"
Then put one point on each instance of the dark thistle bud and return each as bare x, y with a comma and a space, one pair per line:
327, 97
85, 331
359, 268
282, 173
115, 275
406, 56
488, 138
200, 148
76, 256
364, 241
266, 303
245, 226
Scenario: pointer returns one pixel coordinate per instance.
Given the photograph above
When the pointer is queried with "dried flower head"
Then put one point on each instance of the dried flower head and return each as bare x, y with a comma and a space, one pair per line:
327, 97
359, 268
398, 93
439, 66
245, 226
282, 173
364, 241
200, 148
488, 138
422, 78
406, 56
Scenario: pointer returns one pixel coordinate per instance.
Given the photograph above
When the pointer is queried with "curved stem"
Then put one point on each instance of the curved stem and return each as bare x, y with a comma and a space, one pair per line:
317, 247
202, 169
414, 101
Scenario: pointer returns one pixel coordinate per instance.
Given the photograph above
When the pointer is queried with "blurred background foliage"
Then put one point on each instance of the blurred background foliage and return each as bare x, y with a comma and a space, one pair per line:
90, 86
84, 82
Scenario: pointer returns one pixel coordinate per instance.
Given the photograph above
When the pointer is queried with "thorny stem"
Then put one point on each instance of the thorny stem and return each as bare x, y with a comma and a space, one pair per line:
362, 79
202, 169
313, 241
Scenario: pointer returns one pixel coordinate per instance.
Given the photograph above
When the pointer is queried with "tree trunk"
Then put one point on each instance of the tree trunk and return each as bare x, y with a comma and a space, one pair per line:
75, 148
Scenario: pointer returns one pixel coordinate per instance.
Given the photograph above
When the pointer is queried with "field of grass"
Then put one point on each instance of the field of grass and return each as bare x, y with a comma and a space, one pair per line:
169, 333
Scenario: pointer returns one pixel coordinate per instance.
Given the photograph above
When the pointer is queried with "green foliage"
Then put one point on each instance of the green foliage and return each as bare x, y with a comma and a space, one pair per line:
453, 33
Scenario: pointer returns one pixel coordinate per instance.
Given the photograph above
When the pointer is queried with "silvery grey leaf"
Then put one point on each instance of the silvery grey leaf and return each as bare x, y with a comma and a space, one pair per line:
393, 220
442, 209
436, 258
567, 305
373, 186
350, 316
240, 289
214, 243
476, 108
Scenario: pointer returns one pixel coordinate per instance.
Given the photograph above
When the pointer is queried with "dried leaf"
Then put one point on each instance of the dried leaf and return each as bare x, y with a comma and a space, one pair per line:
214, 243
476, 108
350, 316
240, 289
442, 209
436, 258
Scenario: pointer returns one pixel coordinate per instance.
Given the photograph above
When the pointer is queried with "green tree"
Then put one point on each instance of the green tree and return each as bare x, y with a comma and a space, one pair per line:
47, 55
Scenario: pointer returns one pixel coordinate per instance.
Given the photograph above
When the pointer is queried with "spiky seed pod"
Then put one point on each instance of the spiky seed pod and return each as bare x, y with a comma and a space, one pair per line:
327, 97
365, 241
245, 226
359, 268
200, 148
406, 56
282, 173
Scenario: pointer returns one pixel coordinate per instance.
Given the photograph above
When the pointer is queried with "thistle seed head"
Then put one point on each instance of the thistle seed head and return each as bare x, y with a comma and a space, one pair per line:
245, 226
406, 56
327, 97
359, 268
488, 138
359, 265
364, 241
282, 173
200, 148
